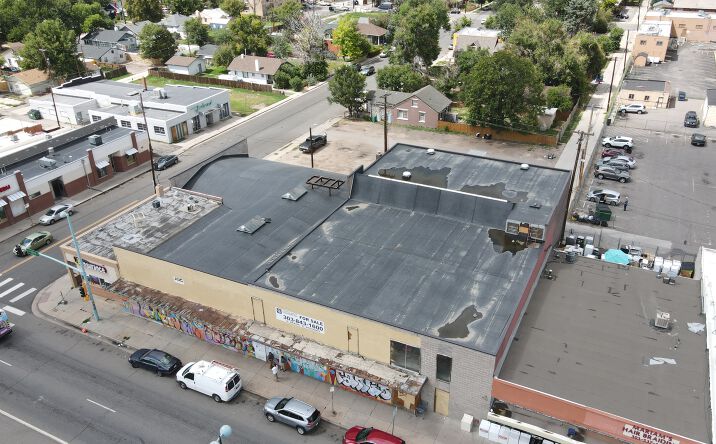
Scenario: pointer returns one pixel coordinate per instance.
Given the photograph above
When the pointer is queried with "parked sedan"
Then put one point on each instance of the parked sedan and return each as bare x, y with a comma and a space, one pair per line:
367, 70
618, 142
33, 241
698, 139
604, 195
313, 143
625, 161
691, 120
157, 361
611, 152
610, 172
55, 213
297, 414
365, 435
633, 108
165, 162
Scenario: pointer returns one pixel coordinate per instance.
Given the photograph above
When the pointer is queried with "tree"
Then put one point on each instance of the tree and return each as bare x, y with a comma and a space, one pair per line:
589, 48
543, 43
400, 78
288, 12
285, 73
308, 38
232, 7
221, 36
96, 21
505, 19
224, 55
197, 33
281, 46
503, 89
156, 42
417, 30
497, 4
559, 97
85, 17
316, 68
249, 35
580, 15
346, 36
346, 88
139, 10
60, 49
185, 7
466, 61
462, 22
210, 4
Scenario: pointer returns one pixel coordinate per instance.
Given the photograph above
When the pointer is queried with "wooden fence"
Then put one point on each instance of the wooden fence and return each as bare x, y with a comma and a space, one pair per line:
111, 73
209, 80
501, 134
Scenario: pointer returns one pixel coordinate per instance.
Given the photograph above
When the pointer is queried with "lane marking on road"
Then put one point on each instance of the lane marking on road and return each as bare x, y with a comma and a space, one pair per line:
6, 363
22, 295
11, 289
5, 281
13, 310
30, 426
103, 406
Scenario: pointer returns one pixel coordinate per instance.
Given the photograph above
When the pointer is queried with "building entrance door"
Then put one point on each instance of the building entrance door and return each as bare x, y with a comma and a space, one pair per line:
257, 305
353, 340
442, 401
58, 188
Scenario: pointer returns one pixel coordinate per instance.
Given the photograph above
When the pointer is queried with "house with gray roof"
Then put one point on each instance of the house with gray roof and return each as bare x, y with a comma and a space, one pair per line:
123, 40
175, 24
103, 54
206, 52
650, 93
424, 107
134, 28
374, 33
255, 69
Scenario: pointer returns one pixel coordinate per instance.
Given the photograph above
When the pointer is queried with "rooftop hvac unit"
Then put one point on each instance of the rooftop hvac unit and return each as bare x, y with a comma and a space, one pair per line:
135, 109
662, 319
50, 152
48, 163
48, 136
13, 137
95, 140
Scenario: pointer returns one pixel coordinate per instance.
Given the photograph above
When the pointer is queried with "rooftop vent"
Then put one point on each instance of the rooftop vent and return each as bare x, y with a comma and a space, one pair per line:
95, 140
48, 163
14, 138
662, 319
535, 205
48, 136
50, 152
406, 175
253, 225
524, 167
295, 193
430, 151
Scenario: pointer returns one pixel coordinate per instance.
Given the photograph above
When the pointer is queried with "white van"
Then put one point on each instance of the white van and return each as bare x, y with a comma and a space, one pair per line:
218, 380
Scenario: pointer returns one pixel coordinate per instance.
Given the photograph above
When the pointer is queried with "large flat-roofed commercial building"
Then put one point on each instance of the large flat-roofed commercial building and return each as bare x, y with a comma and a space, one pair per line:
410, 275
169, 114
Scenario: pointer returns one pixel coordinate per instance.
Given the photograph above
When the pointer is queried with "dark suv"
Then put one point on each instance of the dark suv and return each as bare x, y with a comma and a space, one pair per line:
691, 119
313, 143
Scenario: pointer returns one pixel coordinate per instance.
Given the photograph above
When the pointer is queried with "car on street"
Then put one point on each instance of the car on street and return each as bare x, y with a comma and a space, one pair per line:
324, 3
33, 241
618, 142
165, 162
383, 54
367, 70
698, 139
482, 22
612, 173
369, 435
604, 195
220, 381
623, 15
691, 119
625, 161
455, 11
633, 108
611, 152
338, 8
451, 47
297, 414
156, 361
55, 213
5, 325
386, 6
312, 143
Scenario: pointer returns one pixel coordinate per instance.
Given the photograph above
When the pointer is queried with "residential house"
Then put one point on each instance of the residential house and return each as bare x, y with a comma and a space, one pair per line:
102, 54
254, 69
185, 65
134, 28
10, 54
687, 25
123, 40
206, 52
29, 82
651, 42
175, 24
374, 33
424, 107
214, 18
650, 93
709, 111
476, 38
261, 7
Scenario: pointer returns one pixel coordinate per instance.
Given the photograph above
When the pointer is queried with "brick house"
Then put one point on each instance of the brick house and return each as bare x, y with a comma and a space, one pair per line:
424, 107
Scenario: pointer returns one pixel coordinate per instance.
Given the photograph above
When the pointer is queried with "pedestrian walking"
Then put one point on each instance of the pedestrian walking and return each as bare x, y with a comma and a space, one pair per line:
626, 202
274, 370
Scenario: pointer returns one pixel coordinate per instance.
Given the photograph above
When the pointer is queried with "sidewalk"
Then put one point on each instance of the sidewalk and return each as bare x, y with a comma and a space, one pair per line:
118, 326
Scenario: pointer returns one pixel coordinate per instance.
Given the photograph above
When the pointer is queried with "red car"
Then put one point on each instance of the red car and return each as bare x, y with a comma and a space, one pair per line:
612, 152
360, 435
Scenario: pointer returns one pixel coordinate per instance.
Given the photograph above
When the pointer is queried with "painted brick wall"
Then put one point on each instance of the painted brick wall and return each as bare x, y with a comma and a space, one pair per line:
470, 384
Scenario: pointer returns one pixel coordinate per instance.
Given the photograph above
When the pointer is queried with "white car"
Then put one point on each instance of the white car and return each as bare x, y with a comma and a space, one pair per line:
220, 381
55, 213
482, 22
618, 142
633, 108
604, 195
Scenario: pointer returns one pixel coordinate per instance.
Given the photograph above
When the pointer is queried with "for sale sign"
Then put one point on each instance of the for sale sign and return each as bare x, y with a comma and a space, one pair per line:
300, 320
649, 436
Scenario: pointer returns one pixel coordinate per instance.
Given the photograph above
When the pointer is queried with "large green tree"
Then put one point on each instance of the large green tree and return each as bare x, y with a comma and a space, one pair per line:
417, 27
347, 88
185, 7
197, 33
580, 15
96, 21
249, 35
353, 44
232, 7
60, 49
155, 42
224, 55
503, 89
139, 10
400, 78
590, 49
288, 12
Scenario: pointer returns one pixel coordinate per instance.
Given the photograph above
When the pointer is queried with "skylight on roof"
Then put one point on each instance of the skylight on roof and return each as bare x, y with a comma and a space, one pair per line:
295, 193
253, 225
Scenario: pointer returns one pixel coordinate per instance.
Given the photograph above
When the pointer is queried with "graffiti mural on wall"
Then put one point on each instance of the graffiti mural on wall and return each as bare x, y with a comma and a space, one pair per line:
364, 386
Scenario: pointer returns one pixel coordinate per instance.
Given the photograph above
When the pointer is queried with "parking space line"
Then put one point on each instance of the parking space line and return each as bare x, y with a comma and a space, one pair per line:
13, 310
100, 405
22, 295
11, 289
6, 363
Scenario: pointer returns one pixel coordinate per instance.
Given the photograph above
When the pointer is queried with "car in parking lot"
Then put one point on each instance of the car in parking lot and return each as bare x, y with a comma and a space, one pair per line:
612, 152
691, 119
165, 162
55, 213
604, 195
618, 142
613, 173
312, 143
297, 414
621, 161
33, 241
367, 70
698, 139
633, 108
369, 435
157, 361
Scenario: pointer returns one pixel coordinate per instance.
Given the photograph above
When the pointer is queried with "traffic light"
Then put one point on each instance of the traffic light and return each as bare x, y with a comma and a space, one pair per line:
83, 292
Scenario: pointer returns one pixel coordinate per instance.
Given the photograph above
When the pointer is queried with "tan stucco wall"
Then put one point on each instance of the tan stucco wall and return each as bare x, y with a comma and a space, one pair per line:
245, 301
649, 46
640, 97
693, 29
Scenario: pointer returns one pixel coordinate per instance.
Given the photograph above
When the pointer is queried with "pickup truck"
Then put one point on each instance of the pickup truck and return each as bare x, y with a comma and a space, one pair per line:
5, 325
312, 143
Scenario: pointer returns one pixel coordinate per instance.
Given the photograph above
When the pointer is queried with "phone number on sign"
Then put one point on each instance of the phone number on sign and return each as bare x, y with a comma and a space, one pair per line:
300, 320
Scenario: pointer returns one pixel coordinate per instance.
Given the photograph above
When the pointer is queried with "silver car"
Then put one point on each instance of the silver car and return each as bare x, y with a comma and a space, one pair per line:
55, 213
604, 195
609, 172
293, 412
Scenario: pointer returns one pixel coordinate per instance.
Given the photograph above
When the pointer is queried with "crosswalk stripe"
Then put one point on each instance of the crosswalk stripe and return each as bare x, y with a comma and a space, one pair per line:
11, 289
5, 281
20, 296
13, 310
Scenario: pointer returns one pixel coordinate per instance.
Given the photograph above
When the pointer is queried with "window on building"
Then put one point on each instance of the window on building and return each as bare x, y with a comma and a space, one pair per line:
101, 172
404, 356
682, 25
631, 96
141, 126
660, 43
126, 123
403, 114
2, 214
699, 26
159, 130
443, 368
646, 97
131, 159
414, 103
35, 195
421, 117
642, 42
96, 118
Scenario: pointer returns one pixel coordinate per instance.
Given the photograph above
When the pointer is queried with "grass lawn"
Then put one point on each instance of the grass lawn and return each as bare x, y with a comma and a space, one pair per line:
122, 76
243, 101
215, 71
356, 15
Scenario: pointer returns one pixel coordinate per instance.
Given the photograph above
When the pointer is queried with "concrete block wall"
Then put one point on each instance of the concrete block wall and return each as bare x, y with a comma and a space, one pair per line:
470, 385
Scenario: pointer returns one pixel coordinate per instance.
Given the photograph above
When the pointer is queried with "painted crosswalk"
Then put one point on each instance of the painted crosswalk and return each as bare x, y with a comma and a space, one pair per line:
22, 295
13, 310
13, 292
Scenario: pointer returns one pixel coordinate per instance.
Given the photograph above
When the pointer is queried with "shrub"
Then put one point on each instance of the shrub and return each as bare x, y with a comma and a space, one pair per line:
296, 83
559, 97
282, 80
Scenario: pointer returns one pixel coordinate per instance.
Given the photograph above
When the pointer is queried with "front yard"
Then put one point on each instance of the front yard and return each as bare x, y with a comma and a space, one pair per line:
243, 101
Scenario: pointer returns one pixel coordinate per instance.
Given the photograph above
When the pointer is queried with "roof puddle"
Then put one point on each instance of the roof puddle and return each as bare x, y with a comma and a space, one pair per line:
458, 327
422, 175
502, 242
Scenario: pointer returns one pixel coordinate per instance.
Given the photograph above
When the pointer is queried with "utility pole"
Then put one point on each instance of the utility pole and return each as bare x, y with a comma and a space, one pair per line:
571, 185
52, 94
626, 47
310, 138
385, 122
149, 139
611, 82
586, 144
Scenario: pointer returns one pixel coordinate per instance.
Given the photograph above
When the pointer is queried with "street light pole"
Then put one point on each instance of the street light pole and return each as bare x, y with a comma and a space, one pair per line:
49, 71
83, 273
224, 432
